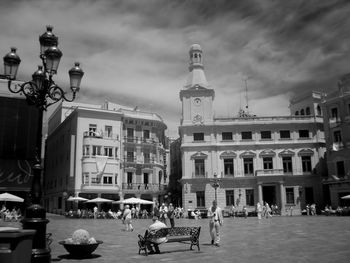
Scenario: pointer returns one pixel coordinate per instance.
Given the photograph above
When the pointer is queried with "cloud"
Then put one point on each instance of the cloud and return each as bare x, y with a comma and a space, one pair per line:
136, 52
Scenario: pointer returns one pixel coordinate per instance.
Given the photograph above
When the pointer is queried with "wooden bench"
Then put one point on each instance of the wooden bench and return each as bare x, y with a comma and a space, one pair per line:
175, 234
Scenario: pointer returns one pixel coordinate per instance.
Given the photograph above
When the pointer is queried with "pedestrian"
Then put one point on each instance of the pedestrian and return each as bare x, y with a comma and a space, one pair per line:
156, 225
171, 215
216, 221
245, 212
155, 211
95, 212
163, 211
268, 210
127, 219
232, 211
258, 210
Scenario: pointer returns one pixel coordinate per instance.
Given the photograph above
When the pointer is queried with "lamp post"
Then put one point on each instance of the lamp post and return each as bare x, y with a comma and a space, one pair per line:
216, 184
41, 92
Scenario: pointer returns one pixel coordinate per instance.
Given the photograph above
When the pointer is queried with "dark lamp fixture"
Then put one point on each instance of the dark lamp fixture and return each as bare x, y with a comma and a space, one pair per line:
39, 77
53, 57
75, 76
47, 40
11, 64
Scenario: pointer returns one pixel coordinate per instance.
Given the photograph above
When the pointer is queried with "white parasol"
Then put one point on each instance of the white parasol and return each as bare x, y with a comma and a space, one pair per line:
134, 200
10, 198
346, 197
99, 200
77, 199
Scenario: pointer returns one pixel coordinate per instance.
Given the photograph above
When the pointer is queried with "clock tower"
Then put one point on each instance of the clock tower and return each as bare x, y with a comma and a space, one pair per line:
196, 96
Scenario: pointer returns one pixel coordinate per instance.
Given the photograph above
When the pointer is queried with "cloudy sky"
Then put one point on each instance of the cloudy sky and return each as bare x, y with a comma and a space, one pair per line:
135, 52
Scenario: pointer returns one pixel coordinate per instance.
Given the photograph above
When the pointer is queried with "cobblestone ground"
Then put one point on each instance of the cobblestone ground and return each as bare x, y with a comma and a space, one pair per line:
280, 239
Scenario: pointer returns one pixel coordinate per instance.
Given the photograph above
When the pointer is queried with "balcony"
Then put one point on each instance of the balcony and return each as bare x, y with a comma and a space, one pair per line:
101, 135
141, 140
334, 122
269, 172
93, 183
143, 187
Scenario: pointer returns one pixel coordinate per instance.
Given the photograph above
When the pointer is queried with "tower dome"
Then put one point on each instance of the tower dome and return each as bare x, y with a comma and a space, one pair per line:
196, 77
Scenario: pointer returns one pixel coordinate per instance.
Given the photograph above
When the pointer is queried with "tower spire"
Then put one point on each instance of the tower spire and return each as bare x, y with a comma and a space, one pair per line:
196, 78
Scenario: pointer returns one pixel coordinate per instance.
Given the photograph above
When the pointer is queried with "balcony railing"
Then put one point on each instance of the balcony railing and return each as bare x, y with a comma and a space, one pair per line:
143, 187
140, 140
101, 135
269, 172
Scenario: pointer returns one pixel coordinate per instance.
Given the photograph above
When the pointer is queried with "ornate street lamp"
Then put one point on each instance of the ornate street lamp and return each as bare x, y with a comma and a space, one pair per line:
215, 184
42, 92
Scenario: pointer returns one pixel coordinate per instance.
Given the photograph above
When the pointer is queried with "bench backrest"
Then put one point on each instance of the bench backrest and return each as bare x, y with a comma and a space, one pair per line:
175, 231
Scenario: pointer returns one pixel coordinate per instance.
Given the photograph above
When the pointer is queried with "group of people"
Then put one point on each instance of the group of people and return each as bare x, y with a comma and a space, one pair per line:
263, 210
7, 215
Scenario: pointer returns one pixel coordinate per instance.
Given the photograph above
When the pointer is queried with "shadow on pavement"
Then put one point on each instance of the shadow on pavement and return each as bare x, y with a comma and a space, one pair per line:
68, 256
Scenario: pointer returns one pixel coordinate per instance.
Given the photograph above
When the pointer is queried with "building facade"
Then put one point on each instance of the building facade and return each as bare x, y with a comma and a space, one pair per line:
106, 151
276, 159
336, 108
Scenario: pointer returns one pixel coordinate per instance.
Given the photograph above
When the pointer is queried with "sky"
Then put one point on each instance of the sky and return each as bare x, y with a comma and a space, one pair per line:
135, 52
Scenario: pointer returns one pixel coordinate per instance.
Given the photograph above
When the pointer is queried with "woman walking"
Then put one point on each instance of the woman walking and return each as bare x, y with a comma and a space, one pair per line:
127, 219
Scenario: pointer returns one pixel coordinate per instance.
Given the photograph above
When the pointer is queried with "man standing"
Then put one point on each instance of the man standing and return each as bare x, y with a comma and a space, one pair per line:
156, 225
127, 219
216, 220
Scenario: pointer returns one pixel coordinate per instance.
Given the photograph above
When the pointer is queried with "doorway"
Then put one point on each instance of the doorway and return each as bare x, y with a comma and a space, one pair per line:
269, 194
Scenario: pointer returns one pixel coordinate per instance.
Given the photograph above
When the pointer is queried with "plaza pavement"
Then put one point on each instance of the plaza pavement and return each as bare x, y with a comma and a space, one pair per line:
279, 239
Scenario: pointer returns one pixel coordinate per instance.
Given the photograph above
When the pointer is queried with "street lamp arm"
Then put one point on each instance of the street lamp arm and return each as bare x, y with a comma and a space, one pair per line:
42, 97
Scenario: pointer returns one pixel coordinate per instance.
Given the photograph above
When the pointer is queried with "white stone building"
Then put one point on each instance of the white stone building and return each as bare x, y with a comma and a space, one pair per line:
276, 159
108, 151
336, 108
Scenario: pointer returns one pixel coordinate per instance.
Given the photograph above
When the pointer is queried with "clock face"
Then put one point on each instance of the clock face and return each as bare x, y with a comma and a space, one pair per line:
197, 101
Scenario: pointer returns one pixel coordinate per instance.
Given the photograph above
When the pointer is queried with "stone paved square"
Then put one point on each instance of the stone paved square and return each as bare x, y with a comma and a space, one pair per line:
280, 239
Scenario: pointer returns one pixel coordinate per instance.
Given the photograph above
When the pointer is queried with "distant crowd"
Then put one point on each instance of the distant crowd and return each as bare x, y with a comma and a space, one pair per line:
7, 215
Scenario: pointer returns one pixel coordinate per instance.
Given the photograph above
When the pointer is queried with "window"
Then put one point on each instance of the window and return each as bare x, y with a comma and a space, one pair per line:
227, 136
303, 133
92, 129
130, 156
318, 109
230, 198
130, 134
199, 167
108, 151
146, 157
287, 164
289, 195
247, 135
307, 111
334, 113
198, 136
146, 180
306, 163
59, 204
96, 150
146, 134
267, 161
340, 169
297, 113
228, 167
249, 197
337, 136
265, 134
108, 131
285, 134
200, 199
129, 179
107, 180
248, 166
302, 112
85, 178
86, 150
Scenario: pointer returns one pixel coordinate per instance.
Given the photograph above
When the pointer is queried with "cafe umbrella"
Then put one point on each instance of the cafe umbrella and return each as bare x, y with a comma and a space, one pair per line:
7, 197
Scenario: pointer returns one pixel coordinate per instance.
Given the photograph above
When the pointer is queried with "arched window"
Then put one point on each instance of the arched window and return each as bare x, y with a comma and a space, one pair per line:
318, 109
302, 112
297, 113
307, 112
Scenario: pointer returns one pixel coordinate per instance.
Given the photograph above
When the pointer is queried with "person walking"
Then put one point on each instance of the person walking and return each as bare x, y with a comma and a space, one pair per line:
215, 222
127, 219
171, 215
258, 210
268, 210
163, 211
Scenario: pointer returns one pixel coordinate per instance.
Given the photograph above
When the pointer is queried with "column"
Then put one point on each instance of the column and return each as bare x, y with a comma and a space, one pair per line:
260, 193
283, 201
121, 198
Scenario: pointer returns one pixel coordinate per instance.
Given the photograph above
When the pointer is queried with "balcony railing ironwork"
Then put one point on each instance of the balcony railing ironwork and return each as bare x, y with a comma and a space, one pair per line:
101, 135
143, 187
